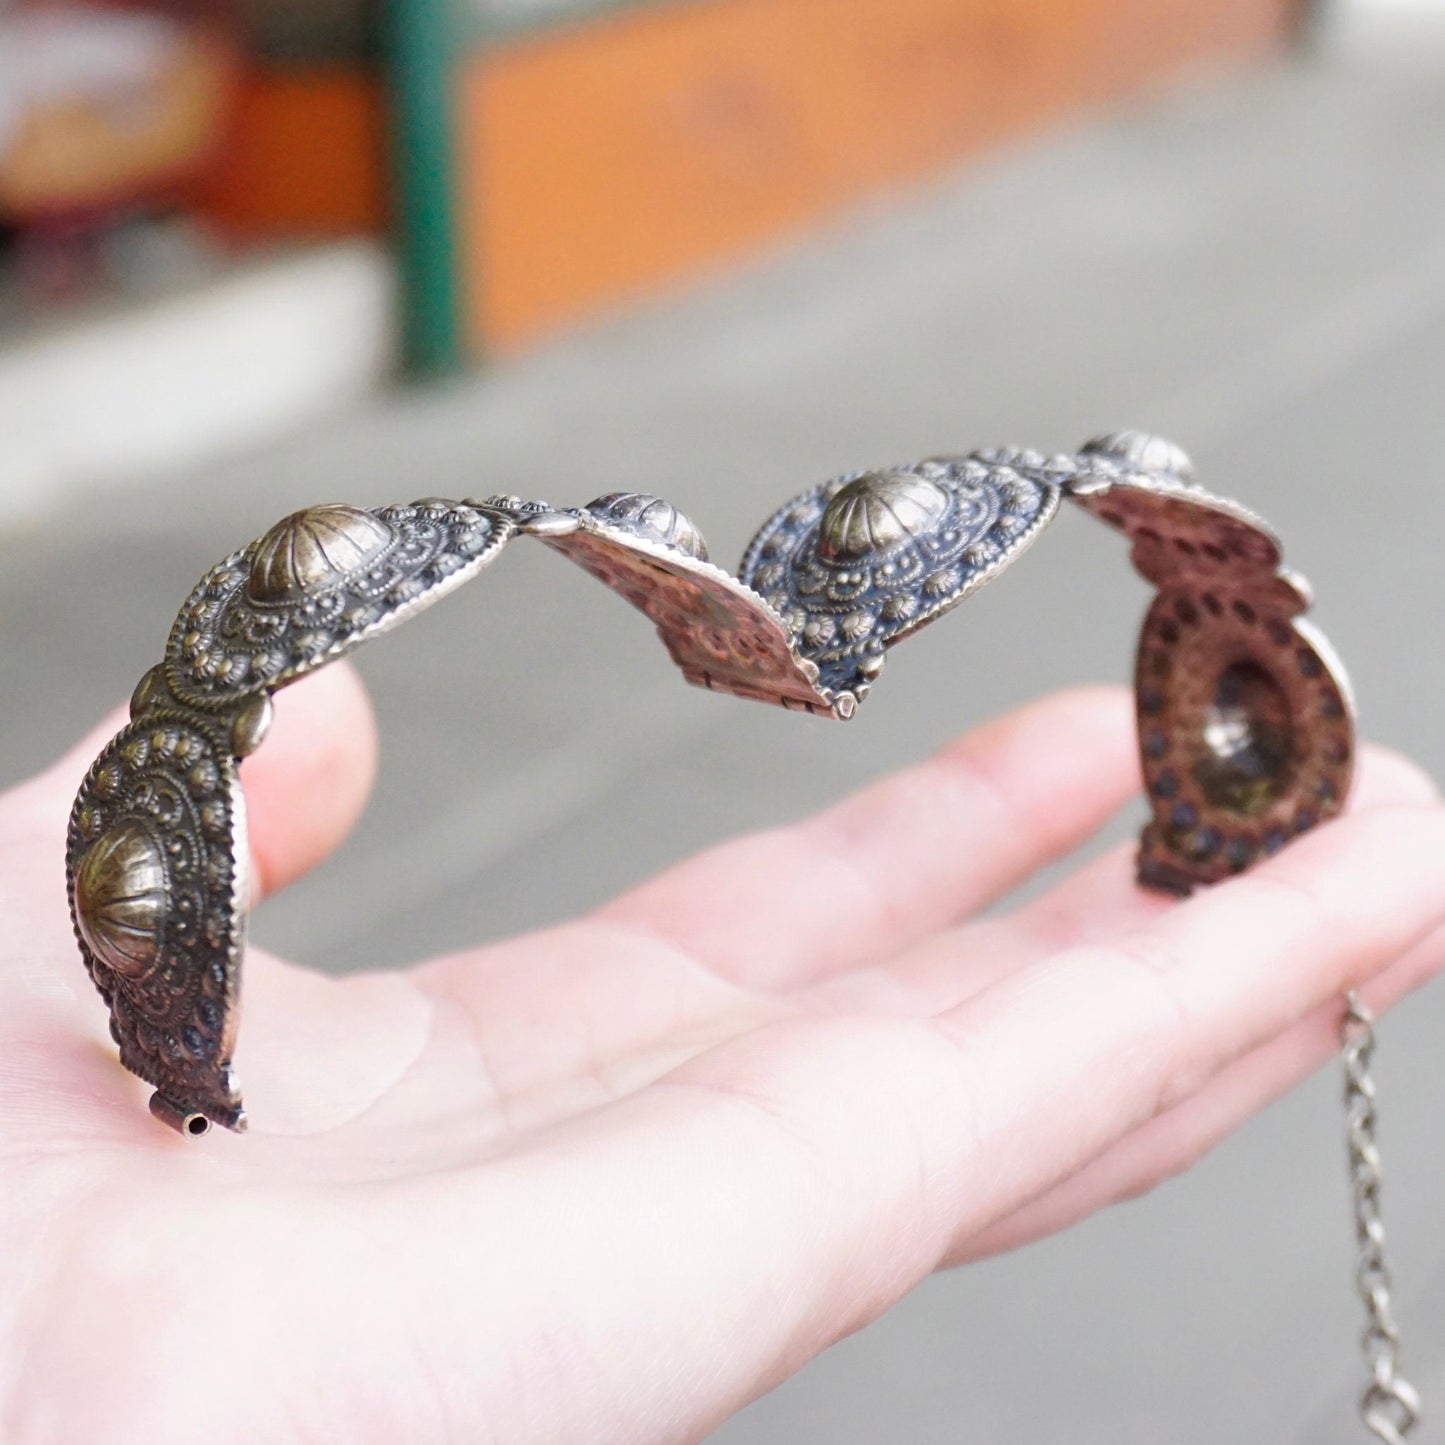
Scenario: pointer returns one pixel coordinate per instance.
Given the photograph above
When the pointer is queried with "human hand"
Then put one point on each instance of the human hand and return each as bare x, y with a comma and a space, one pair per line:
610, 1181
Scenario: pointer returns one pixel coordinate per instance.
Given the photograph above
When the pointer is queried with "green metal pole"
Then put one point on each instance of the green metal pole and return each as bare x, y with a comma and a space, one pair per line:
420, 52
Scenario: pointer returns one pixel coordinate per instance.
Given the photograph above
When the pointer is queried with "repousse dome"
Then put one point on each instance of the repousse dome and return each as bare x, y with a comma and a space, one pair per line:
122, 899
877, 511
651, 517
1148, 453
314, 549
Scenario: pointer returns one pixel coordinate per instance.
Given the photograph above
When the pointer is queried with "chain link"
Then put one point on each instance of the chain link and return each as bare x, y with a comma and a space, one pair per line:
1389, 1406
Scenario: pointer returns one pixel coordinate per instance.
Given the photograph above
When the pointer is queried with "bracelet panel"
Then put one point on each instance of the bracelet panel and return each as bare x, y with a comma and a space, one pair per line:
157, 861
862, 561
318, 584
718, 631
1245, 719
157, 855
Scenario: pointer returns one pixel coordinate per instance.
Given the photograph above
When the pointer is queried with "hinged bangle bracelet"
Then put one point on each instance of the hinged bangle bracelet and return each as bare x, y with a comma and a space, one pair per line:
1245, 721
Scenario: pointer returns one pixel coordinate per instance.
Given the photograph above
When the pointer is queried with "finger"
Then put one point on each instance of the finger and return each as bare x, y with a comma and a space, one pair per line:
1144, 1021
1169, 1144
627, 1007
831, 1163
304, 787
904, 857
48, 794
1023, 1084
1102, 899
307, 784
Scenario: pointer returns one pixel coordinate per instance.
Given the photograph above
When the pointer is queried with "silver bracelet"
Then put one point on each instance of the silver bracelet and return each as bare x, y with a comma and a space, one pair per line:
1245, 721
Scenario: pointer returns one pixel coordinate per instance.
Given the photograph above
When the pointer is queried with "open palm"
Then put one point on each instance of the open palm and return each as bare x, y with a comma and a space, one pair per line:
610, 1181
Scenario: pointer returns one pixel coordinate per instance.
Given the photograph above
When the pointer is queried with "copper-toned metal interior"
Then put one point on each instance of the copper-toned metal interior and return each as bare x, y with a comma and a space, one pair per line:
1249, 740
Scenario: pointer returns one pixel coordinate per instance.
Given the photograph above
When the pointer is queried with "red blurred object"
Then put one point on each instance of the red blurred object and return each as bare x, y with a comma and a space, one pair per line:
108, 106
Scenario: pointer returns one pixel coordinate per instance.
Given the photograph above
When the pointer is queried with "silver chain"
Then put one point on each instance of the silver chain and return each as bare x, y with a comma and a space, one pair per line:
1389, 1405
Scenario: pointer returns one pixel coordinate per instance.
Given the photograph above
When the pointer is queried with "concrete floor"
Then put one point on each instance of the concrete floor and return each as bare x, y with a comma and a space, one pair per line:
1255, 267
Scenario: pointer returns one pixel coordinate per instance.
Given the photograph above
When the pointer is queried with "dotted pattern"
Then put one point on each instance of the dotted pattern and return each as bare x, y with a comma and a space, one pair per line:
175, 1021
1245, 721
225, 645
1203, 659
1246, 733
171, 775
843, 614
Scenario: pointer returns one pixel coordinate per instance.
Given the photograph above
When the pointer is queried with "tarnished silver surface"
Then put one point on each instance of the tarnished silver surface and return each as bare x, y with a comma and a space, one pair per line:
319, 583
156, 856
1245, 723
1245, 720
717, 630
857, 564
157, 860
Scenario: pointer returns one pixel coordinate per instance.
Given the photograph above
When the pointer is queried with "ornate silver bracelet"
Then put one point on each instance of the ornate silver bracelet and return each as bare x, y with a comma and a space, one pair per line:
1245, 722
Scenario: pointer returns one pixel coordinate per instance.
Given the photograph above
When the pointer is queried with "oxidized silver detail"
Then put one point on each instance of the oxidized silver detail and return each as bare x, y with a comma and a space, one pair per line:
861, 561
1244, 717
315, 550
1143, 452
1389, 1404
157, 857
157, 860
875, 514
122, 899
650, 517
1245, 720
315, 586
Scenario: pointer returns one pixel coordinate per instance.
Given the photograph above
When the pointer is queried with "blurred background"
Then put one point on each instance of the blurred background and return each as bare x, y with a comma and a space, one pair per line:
259, 254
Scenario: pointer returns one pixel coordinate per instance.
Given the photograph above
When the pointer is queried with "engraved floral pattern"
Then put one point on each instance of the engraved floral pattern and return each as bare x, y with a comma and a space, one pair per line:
863, 560
157, 893
227, 643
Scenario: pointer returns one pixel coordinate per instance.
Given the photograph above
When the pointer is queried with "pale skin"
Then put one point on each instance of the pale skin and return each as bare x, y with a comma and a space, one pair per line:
611, 1181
